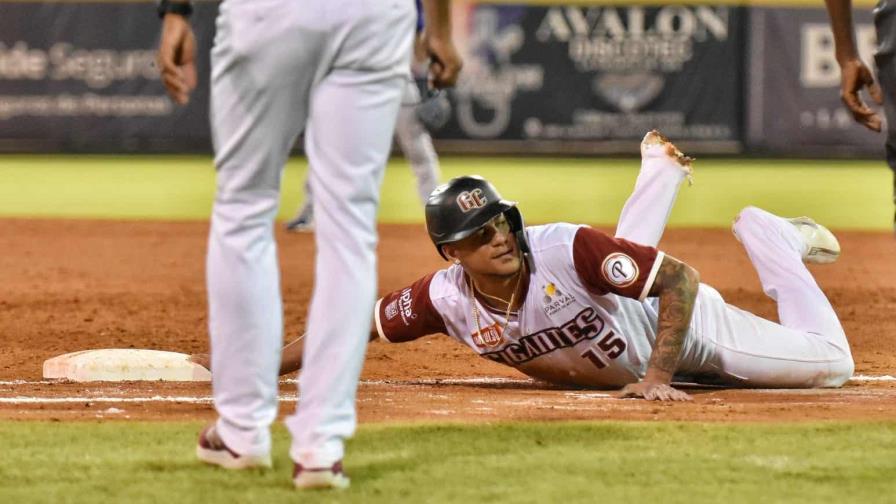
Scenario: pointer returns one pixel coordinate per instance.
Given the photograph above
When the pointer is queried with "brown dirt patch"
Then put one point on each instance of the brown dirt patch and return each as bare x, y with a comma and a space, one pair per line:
71, 285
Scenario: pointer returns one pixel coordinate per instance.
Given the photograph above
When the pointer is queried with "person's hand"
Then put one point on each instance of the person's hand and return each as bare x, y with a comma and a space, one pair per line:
854, 76
202, 359
652, 392
177, 58
445, 63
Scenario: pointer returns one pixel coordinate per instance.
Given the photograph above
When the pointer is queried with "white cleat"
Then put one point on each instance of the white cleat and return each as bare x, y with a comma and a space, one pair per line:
320, 478
822, 246
655, 144
212, 450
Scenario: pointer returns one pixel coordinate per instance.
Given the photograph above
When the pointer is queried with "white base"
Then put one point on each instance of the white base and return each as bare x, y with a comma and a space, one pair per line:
124, 365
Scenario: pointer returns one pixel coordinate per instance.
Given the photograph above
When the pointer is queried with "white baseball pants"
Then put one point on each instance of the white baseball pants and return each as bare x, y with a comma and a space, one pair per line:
807, 349
416, 144
335, 68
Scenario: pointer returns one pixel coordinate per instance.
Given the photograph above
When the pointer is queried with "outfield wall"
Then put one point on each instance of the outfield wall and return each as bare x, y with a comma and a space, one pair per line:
542, 77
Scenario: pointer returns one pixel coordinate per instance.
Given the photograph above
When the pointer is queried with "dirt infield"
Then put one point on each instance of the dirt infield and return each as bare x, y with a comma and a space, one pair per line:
72, 285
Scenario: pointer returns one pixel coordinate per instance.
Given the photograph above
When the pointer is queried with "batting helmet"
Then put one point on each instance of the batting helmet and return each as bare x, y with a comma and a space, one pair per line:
457, 209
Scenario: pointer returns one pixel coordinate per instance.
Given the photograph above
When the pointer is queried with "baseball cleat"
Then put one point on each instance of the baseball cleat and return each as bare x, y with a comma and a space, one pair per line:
822, 246
303, 222
655, 144
212, 450
320, 478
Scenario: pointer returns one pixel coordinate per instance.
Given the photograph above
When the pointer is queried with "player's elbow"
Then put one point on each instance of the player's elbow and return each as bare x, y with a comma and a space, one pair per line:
693, 276
687, 277
675, 275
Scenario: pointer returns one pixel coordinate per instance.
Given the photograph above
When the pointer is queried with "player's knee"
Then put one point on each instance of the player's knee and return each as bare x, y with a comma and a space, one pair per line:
751, 213
746, 218
235, 210
842, 371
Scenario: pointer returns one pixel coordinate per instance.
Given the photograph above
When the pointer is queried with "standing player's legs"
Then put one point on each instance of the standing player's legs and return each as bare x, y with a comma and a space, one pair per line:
885, 59
347, 149
262, 67
352, 120
646, 212
416, 144
808, 348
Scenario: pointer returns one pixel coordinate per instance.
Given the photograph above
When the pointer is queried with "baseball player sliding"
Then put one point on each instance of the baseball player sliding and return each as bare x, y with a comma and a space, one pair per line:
335, 69
571, 305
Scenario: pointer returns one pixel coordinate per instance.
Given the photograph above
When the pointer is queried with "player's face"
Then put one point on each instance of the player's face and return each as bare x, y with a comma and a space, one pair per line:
491, 250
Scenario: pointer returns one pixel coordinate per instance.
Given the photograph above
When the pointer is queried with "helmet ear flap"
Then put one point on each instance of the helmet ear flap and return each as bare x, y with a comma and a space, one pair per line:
514, 218
518, 228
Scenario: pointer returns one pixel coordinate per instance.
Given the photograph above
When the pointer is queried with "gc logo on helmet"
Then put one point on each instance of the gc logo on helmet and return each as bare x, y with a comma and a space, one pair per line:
469, 200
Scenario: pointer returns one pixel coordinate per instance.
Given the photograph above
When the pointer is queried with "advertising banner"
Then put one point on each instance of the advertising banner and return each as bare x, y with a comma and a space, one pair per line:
595, 78
555, 79
82, 77
793, 104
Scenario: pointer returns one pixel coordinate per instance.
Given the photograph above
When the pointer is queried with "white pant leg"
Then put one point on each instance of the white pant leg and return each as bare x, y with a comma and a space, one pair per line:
809, 347
416, 144
351, 123
257, 108
775, 247
646, 212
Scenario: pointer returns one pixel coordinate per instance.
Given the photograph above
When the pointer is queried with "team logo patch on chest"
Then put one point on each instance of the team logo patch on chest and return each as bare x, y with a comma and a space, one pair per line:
619, 269
554, 299
585, 325
489, 337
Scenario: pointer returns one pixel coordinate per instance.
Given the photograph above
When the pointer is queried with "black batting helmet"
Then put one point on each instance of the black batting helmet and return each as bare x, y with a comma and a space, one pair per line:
457, 209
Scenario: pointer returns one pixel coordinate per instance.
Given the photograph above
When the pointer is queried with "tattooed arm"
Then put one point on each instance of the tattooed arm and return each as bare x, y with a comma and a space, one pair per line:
676, 285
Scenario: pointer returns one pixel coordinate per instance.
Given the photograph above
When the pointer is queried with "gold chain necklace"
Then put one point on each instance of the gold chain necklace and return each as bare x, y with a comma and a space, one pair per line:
473, 290
496, 298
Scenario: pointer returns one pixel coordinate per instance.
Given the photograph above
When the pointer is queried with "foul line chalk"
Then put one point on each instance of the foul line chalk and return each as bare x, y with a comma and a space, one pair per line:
485, 380
864, 378
294, 397
452, 381
26, 382
447, 381
160, 399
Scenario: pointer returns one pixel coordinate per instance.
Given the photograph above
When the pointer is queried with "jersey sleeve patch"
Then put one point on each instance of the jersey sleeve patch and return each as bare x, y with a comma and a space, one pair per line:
408, 314
619, 269
614, 265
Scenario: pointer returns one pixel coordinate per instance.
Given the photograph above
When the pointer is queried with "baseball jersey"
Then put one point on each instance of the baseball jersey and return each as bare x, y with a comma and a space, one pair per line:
584, 319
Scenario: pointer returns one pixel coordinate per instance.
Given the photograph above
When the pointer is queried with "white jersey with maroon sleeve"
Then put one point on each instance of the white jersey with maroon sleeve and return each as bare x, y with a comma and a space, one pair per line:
583, 320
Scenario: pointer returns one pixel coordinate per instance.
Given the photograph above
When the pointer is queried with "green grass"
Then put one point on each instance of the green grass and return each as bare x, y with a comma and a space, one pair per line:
509, 462
842, 194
